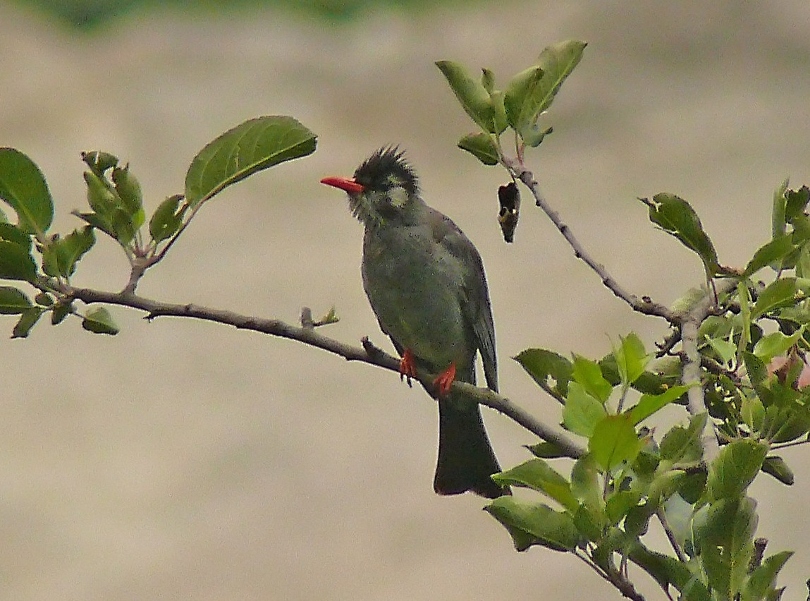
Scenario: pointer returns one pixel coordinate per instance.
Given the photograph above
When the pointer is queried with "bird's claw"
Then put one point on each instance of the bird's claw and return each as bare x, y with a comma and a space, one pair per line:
407, 367
444, 381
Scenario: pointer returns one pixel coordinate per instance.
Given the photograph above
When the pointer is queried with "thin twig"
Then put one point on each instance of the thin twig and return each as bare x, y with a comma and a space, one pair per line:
309, 336
641, 305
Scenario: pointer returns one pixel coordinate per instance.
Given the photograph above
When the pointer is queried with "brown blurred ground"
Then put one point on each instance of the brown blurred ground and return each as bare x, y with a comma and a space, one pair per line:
185, 460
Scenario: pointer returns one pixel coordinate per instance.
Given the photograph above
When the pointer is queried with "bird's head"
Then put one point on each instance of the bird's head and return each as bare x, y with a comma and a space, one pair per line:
383, 189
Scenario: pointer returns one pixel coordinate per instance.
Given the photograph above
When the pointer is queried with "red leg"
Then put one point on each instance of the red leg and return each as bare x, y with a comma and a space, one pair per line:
444, 381
407, 366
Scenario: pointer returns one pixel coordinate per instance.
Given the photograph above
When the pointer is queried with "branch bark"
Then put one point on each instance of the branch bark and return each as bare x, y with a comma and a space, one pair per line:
307, 334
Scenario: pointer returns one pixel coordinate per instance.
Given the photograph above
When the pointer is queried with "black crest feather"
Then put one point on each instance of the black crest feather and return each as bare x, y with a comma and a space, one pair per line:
385, 168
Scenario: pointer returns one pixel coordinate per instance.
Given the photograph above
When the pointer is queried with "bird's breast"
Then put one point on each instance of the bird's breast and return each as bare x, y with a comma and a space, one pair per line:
414, 286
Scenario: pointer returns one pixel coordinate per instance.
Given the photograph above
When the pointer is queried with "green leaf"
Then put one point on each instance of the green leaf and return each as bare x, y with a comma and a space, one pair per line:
540, 476
532, 91
775, 466
481, 146
13, 301
582, 411
99, 321
762, 579
99, 161
522, 97
585, 482
167, 218
471, 93
778, 216
547, 368
23, 187
780, 293
129, 190
756, 368
724, 533
60, 256
631, 359
796, 203
100, 195
614, 442
27, 320
16, 262
668, 571
60, 311
682, 445
589, 375
240, 152
676, 217
735, 468
775, 344
649, 404
546, 450
771, 253
534, 524
12, 233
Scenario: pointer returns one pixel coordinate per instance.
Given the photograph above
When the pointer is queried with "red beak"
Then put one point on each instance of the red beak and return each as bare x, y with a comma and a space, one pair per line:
344, 183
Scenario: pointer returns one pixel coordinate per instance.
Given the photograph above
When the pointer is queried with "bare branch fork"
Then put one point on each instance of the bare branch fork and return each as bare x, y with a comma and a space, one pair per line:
307, 334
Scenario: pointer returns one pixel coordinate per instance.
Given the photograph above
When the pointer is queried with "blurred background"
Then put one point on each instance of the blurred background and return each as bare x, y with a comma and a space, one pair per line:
183, 460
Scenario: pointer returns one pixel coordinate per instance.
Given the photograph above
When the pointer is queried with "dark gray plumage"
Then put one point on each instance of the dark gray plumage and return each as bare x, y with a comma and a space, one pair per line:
425, 282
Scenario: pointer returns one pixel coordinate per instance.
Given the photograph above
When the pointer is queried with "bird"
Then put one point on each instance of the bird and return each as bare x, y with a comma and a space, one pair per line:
425, 282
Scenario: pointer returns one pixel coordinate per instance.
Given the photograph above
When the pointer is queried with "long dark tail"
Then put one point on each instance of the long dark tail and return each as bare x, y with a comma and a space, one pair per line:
466, 459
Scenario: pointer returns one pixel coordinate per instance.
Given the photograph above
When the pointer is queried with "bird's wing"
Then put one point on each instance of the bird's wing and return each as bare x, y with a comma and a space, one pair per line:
475, 302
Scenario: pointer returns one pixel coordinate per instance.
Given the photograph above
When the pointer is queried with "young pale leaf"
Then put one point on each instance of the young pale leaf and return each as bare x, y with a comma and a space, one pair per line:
13, 301
780, 293
471, 93
676, 217
770, 254
242, 151
547, 368
24, 188
588, 374
540, 476
99, 321
582, 411
652, 403
27, 320
614, 442
481, 146
735, 468
16, 262
534, 524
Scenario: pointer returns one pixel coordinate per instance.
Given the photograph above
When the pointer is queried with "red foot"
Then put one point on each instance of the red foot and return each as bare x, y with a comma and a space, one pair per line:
444, 381
407, 366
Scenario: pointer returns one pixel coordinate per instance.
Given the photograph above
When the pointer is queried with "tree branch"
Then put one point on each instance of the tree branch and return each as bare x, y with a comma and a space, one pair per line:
307, 334
641, 305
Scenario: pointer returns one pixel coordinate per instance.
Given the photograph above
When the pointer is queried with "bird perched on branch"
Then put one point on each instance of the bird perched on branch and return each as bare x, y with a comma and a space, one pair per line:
425, 282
